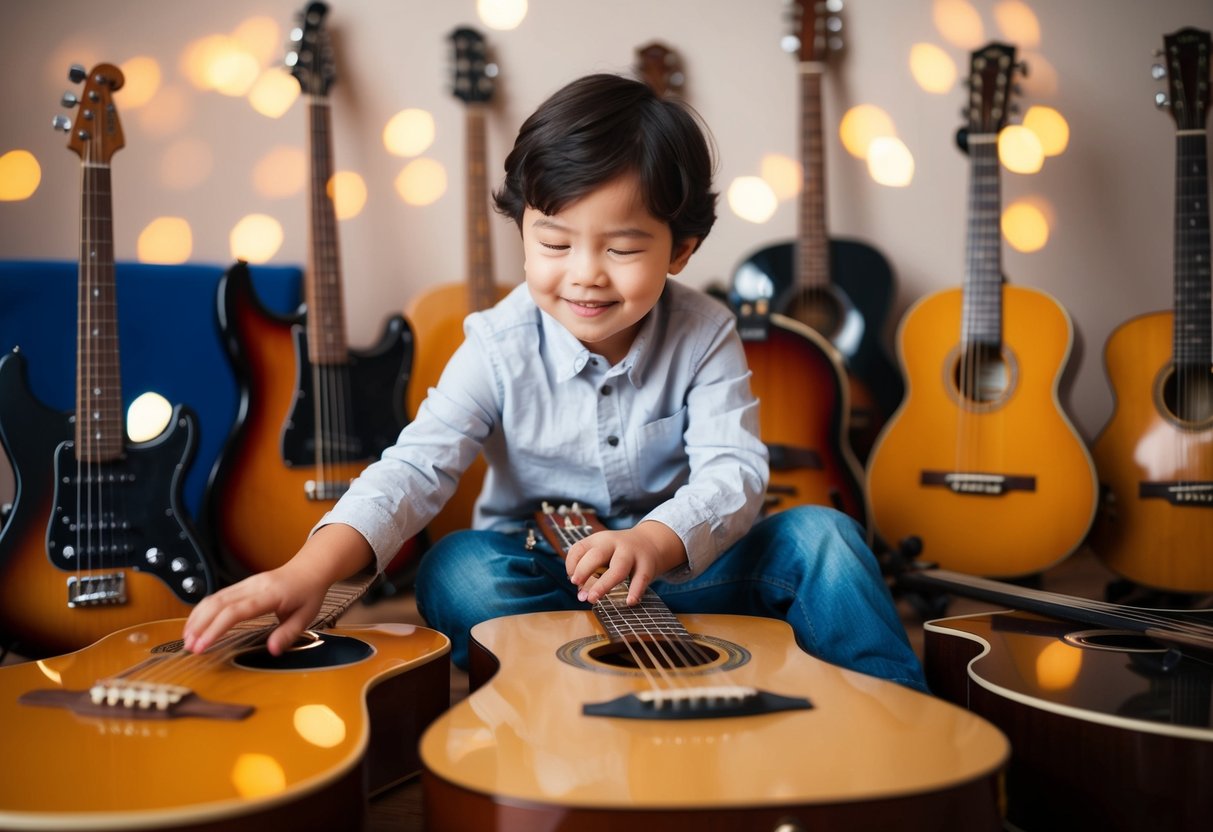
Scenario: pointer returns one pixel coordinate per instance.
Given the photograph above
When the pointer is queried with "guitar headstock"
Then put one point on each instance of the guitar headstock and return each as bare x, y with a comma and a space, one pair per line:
96, 132
1186, 60
310, 58
816, 29
661, 68
991, 84
475, 76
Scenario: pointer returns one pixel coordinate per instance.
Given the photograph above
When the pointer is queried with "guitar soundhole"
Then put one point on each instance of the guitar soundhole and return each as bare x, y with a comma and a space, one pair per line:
981, 374
818, 309
313, 652
1187, 394
1120, 641
655, 654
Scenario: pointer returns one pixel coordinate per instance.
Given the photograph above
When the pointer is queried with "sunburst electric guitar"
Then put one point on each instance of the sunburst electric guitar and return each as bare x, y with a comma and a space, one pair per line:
312, 413
98, 538
981, 462
1155, 455
229, 739
632, 717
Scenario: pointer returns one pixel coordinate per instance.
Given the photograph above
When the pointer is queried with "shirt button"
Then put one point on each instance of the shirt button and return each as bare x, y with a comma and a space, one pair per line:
612, 441
605, 390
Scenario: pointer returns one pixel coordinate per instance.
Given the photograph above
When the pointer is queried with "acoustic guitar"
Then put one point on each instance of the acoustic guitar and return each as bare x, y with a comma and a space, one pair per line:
1155, 455
313, 413
980, 461
98, 537
135, 733
438, 313
840, 288
633, 717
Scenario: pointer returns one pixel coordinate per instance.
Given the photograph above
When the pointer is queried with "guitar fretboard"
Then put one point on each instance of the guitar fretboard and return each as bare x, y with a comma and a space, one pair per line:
325, 308
481, 290
981, 322
814, 249
1193, 319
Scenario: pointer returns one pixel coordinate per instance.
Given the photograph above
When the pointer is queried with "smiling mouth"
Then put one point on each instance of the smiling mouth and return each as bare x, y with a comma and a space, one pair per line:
588, 308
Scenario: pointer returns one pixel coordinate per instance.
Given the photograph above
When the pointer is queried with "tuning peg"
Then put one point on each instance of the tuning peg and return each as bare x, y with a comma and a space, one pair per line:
77, 73
491, 70
1022, 66
1158, 72
69, 100
61, 123
291, 58
834, 6
296, 35
1160, 100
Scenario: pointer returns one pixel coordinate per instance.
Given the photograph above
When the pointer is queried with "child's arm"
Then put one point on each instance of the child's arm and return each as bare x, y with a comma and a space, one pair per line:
643, 552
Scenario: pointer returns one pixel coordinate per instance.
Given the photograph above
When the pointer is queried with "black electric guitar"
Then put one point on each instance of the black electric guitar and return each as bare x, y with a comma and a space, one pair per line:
840, 288
313, 413
98, 538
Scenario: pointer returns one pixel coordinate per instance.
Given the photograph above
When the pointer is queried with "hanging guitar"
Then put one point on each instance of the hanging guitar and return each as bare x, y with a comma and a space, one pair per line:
98, 538
135, 733
840, 288
300, 437
1155, 455
649, 721
980, 462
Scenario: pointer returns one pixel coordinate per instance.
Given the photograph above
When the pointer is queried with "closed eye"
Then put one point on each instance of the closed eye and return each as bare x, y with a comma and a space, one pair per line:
625, 253
554, 247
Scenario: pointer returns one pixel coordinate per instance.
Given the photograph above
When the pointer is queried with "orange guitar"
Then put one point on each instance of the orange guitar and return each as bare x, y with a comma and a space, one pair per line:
1155, 455
647, 721
312, 413
438, 313
134, 733
980, 461
98, 538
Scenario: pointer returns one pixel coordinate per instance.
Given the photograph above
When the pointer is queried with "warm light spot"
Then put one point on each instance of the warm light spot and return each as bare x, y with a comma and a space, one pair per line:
1058, 666
185, 164
142, 81
218, 62
1020, 150
959, 23
348, 193
932, 68
166, 114
1025, 227
280, 173
20, 174
199, 55
421, 182
49, 672
751, 198
258, 775
890, 162
274, 93
1050, 127
234, 73
256, 238
320, 725
502, 15
784, 174
261, 38
165, 240
1018, 23
861, 125
1040, 79
409, 133
147, 417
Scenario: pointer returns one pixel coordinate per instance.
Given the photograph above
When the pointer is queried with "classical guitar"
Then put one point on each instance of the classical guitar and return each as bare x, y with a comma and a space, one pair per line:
229, 739
1072, 681
98, 538
633, 717
1155, 455
980, 461
840, 288
438, 313
313, 413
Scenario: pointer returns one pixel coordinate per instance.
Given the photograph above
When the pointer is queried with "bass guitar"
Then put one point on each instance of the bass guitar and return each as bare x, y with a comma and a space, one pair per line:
300, 438
438, 313
229, 739
980, 461
840, 288
657, 722
98, 537
1155, 455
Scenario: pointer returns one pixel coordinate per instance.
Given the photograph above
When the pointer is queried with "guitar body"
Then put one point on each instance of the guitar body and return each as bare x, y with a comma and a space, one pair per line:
145, 495
258, 500
1023, 434
520, 755
1145, 537
316, 740
1065, 706
799, 383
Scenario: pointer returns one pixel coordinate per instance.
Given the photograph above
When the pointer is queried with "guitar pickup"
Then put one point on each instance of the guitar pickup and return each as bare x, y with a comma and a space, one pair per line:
95, 590
1186, 494
985, 485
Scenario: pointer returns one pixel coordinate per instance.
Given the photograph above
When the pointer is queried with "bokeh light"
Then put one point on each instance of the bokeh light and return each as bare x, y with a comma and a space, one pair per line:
148, 416
409, 133
1058, 666
783, 173
280, 173
261, 37
422, 182
958, 23
186, 164
890, 162
1025, 226
861, 125
220, 63
274, 92
256, 238
932, 68
752, 199
1020, 150
142, 82
347, 190
257, 775
1050, 127
167, 112
502, 15
165, 240
20, 175
1018, 23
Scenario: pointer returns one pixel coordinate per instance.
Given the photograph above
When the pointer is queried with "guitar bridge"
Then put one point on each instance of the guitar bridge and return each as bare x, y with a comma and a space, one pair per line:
982, 485
1186, 494
95, 590
696, 703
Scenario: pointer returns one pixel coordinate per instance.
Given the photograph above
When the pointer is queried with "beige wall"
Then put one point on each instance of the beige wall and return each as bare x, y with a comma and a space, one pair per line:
1109, 256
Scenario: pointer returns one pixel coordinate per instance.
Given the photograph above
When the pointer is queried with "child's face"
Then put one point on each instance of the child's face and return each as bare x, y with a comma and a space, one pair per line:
600, 265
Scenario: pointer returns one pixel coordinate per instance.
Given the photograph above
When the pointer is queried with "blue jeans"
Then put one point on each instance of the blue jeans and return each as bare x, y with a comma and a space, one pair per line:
808, 566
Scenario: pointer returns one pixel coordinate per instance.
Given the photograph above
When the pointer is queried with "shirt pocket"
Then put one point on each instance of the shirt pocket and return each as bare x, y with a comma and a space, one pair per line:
660, 454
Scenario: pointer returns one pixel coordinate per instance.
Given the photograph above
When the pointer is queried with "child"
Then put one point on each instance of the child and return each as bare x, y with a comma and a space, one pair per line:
598, 380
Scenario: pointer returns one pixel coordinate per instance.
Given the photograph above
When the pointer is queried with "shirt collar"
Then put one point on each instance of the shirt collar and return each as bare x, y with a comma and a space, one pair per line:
570, 356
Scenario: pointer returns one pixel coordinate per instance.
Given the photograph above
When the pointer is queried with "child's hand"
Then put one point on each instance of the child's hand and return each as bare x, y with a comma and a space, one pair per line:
644, 552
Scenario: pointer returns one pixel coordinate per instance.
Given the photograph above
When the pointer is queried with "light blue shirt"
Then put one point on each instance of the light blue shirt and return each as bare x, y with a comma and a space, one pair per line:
670, 433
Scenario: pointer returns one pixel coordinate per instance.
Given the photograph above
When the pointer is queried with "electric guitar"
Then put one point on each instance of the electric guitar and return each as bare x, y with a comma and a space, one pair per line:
1155, 455
98, 538
980, 462
840, 288
133, 732
661, 68
300, 437
657, 722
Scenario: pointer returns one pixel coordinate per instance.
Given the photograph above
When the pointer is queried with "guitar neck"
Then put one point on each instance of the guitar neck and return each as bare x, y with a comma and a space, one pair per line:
481, 290
1193, 320
326, 335
813, 250
981, 322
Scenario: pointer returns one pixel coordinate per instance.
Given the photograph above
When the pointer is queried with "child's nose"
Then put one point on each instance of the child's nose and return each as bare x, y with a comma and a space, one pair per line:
588, 269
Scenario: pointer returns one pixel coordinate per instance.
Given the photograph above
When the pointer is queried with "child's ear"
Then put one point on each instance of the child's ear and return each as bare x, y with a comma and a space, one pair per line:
683, 250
